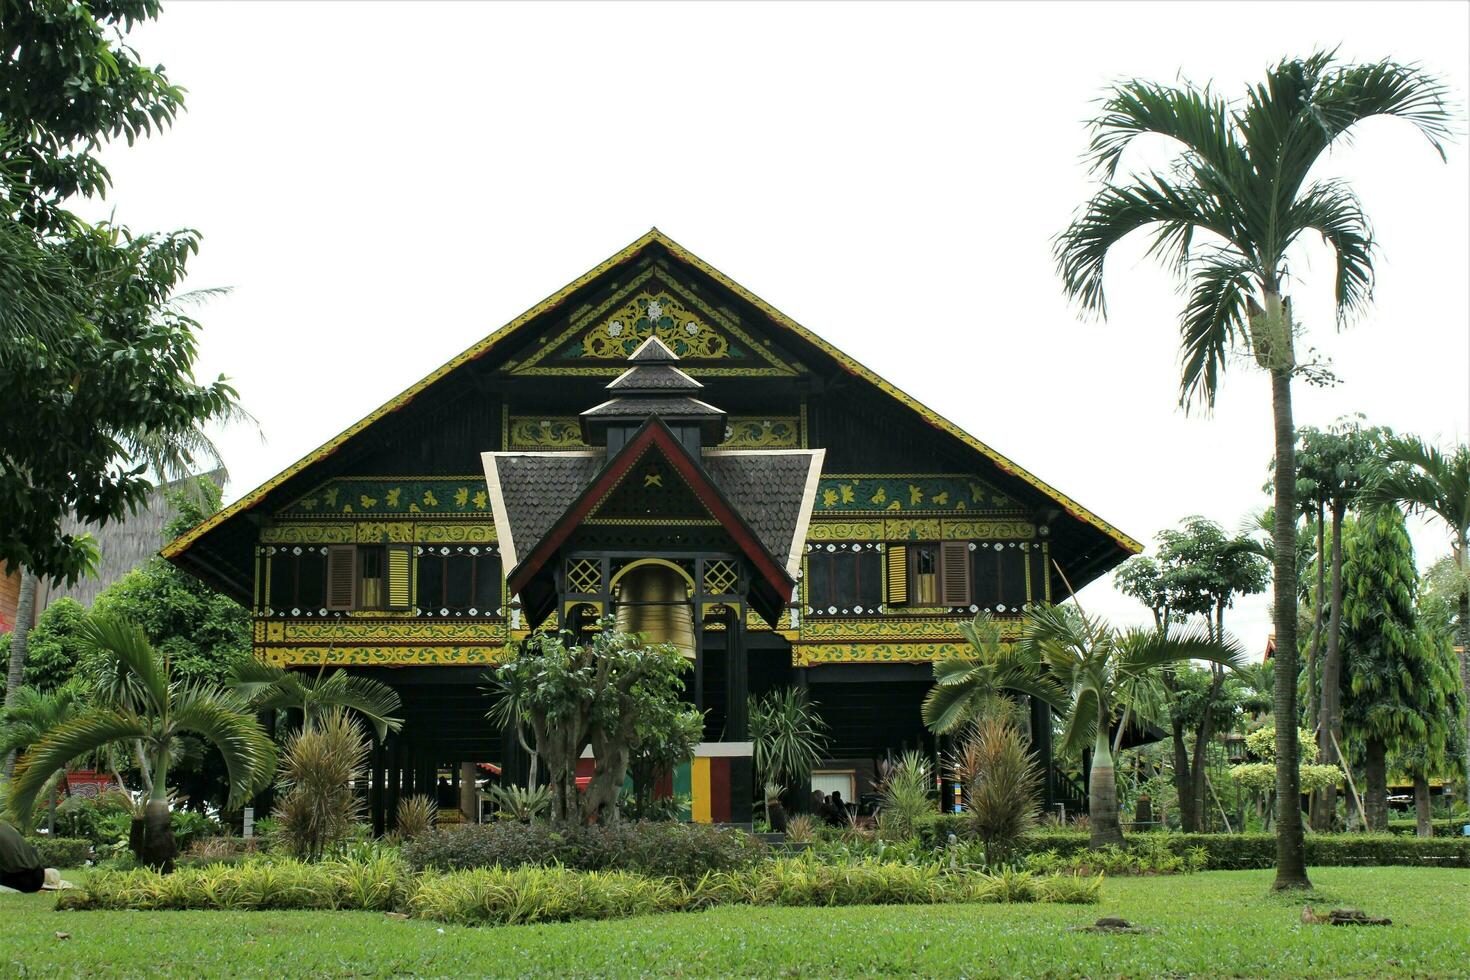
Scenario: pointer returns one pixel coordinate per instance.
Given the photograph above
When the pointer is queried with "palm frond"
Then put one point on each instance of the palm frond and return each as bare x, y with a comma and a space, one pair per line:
80, 736
1332, 210
251, 678
372, 699
1197, 119
1080, 729
1222, 281
1143, 650
248, 754
127, 645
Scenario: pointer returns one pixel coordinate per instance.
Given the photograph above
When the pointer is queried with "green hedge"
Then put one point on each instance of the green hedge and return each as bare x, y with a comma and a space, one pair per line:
62, 852
1255, 850
660, 849
1444, 827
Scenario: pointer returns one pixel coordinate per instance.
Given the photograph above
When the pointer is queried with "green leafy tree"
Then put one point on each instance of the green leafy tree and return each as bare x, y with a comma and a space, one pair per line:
145, 708
592, 694
1333, 466
1426, 480
1399, 688
1198, 571
54, 645
668, 732
93, 345
1092, 665
1227, 216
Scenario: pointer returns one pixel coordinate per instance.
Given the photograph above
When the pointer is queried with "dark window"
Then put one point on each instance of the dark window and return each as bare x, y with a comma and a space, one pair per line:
999, 576
458, 580
848, 580
297, 577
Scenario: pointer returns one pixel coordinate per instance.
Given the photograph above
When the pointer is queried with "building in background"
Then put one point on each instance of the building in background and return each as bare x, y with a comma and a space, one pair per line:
655, 442
122, 546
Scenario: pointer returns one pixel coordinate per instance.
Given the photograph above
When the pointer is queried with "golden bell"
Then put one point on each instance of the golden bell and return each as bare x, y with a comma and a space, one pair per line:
654, 600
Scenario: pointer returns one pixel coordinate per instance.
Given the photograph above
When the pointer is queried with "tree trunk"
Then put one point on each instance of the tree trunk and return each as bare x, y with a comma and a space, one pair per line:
1314, 650
1201, 747
1375, 802
1183, 785
25, 616
1423, 825
158, 848
1102, 795
1461, 557
1291, 851
1329, 724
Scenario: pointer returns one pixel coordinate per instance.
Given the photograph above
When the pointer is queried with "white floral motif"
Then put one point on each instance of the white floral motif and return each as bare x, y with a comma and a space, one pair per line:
615, 328
691, 328
655, 310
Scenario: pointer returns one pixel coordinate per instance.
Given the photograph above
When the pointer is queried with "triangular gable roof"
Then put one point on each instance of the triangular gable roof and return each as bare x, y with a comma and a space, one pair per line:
652, 435
506, 333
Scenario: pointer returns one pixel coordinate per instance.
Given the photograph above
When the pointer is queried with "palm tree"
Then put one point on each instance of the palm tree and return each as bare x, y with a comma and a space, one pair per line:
1427, 480
269, 688
1226, 217
25, 721
144, 707
1096, 666
969, 688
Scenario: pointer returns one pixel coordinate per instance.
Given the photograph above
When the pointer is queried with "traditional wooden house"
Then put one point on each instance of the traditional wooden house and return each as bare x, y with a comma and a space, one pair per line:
656, 442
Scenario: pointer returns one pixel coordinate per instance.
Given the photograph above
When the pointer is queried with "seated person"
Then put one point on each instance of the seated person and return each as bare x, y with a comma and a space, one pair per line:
20, 864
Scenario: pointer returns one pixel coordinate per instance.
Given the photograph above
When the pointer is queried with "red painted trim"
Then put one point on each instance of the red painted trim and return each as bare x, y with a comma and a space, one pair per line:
654, 432
719, 790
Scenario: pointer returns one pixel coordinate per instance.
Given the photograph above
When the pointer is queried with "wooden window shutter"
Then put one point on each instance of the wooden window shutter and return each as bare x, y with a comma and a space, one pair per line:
954, 573
896, 567
341, 575
400, 576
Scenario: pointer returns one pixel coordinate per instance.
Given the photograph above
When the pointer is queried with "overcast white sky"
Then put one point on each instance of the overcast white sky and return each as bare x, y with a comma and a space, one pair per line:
382, 184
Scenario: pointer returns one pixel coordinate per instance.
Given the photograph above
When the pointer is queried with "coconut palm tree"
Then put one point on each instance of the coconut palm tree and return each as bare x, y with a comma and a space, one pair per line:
1427, 480
971, 687
144, 707
1096, 666
1227, 217
269, 688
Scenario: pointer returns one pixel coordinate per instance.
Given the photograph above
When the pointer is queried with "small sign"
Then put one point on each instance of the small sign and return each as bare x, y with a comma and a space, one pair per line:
248, 828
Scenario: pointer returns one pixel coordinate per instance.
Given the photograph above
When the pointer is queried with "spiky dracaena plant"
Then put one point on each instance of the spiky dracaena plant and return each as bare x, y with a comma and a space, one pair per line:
318, 807
1001, 785
788, 736
1228, 217
905, 792
415, 817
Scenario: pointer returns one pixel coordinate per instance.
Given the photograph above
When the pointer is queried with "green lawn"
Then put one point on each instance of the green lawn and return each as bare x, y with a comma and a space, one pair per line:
1222, 922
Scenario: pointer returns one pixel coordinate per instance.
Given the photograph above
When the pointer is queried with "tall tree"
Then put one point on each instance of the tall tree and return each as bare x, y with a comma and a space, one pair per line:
1438, 753
1093, 666
1390, 683
94, 347
1335, 465
1226, 216
1426, 480
1198, 571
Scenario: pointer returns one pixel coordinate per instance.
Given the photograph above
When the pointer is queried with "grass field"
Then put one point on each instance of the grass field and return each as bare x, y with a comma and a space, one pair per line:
1216, 923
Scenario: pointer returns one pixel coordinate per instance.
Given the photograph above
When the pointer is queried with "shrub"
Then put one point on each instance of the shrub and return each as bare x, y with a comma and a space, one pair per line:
415, 817
1443, 826
1000, 781
101, 819
905, 790
379, 881
62, 852
383, 884
191, 825
676, 850
1151, 859
519, 803
318, 807
801, 829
